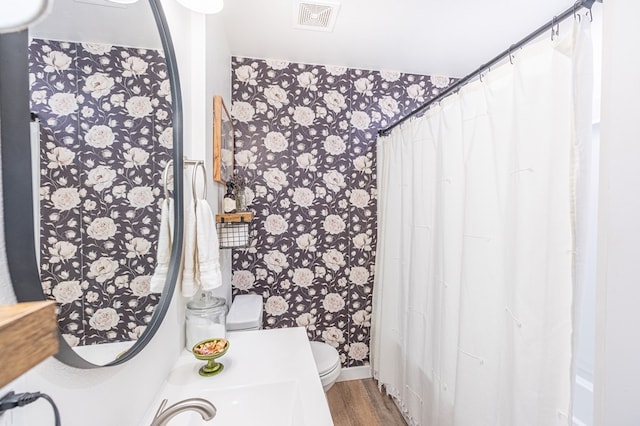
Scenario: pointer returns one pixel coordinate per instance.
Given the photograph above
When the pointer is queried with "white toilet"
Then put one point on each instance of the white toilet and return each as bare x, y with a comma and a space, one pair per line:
246, 314
327, 362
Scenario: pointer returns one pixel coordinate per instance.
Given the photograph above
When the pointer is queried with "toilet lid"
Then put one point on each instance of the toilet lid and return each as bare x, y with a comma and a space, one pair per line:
245, 313
326, 357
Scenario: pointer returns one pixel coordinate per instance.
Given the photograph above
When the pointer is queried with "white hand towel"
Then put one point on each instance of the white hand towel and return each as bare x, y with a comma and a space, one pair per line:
190, 274
163, 255
208, 247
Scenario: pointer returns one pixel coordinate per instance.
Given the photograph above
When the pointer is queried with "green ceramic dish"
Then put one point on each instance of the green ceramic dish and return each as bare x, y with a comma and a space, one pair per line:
212, 367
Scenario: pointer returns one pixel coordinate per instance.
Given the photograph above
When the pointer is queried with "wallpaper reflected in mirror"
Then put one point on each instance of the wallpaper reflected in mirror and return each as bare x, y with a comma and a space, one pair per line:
105, 136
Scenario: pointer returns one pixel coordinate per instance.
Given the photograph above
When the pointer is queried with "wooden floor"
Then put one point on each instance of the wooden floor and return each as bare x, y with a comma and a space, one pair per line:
360, 403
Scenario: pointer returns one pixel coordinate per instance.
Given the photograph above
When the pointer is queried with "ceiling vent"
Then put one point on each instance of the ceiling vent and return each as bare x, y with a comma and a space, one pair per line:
315, 15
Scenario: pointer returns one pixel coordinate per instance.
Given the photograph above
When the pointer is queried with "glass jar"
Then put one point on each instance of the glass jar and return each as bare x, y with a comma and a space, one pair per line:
241, 203
206, 318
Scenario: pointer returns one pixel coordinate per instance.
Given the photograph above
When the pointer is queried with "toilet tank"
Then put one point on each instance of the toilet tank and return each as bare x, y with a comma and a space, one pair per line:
245, 313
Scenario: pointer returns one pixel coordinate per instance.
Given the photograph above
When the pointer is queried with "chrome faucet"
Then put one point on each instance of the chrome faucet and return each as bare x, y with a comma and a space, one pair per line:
206, 409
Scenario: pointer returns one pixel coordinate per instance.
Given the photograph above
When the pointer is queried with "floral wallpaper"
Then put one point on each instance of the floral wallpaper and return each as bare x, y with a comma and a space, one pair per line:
105, 137
305, 145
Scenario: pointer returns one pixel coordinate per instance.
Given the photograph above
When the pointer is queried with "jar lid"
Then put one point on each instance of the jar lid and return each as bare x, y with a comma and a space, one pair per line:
205, 300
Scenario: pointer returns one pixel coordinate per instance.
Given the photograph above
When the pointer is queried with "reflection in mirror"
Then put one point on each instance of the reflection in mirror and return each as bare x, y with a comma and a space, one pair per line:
101, 101
223, 141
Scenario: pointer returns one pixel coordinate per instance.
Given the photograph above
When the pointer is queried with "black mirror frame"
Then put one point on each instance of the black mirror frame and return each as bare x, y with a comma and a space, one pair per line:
17, 183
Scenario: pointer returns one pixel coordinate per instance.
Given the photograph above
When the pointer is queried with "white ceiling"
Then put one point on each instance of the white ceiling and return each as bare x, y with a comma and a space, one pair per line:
99, 21
435, 37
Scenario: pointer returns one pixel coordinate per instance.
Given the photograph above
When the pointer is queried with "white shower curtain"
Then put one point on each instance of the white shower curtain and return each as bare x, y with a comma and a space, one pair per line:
474, 285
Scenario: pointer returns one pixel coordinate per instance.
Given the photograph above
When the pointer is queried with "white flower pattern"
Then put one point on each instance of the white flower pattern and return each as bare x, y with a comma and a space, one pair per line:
62, 251
103, 269
303, 277
97, 102
102, 228
140, 196
275, 224
334, 259
242, 111
56, 61
275, 179
141, 286
276, 305
303, 115
275, 142
303, 197
100, 136
333, 302
137, 247
139, 106
243, 280
134, 66
60, 157
64, 199
104, 319
67, 292
63, 103
275, 261
276, 96
334, 145
97, 48
101, 177
359, 275
333, 336
98, 85
305, 144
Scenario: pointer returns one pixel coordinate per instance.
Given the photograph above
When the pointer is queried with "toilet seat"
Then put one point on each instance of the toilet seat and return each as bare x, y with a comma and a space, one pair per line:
328, 363
326, 357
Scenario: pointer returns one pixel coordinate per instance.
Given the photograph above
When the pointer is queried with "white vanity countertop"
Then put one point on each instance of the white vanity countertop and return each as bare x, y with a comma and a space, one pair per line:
269, 378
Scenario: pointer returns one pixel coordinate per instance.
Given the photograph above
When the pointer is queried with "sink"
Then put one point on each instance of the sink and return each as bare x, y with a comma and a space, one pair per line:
269, 379
269, 404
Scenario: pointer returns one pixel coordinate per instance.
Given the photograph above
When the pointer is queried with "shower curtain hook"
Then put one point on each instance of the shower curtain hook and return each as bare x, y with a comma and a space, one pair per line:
555, 28
511, 54
576, 15
484, 73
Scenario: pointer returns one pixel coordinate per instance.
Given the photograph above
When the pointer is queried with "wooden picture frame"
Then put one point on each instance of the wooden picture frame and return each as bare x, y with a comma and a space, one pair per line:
223, 142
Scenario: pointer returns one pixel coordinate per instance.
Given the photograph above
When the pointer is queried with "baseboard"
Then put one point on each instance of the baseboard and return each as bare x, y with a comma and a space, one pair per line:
583, 401
355, 373
577, 422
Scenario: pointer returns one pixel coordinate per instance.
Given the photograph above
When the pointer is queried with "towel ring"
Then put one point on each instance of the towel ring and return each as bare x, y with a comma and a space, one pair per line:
199, 165
165, 179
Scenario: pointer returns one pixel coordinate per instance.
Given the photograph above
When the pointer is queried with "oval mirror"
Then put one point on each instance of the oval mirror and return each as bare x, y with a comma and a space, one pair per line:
106, 123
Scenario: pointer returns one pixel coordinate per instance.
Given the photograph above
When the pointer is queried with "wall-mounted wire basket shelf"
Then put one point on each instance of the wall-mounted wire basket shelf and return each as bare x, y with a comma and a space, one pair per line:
234, 229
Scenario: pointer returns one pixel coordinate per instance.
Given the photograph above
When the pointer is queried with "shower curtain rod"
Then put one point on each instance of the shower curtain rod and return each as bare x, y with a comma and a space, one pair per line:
551, 25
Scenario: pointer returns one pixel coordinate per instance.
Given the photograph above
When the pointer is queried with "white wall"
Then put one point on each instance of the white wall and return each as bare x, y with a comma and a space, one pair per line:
70, 20
617, 375
209, 75
121, 395
218, 69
